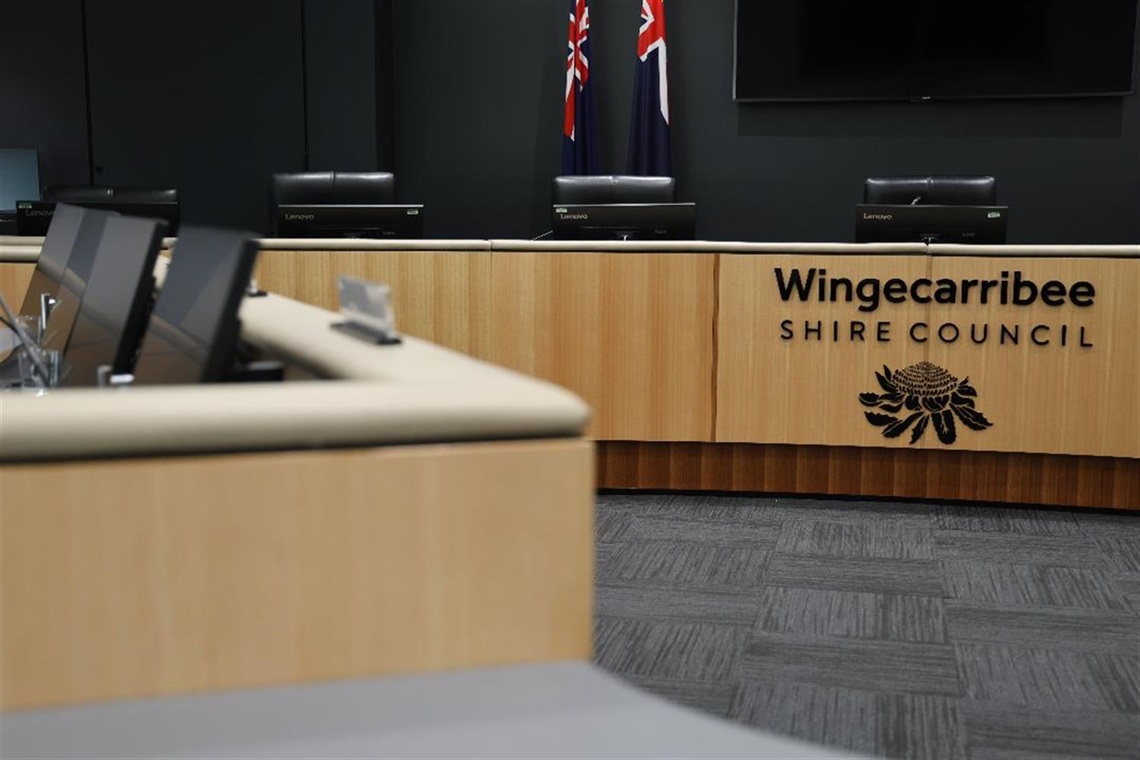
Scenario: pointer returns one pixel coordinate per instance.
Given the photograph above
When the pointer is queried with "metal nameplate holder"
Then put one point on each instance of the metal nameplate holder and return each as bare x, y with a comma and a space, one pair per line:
367, 311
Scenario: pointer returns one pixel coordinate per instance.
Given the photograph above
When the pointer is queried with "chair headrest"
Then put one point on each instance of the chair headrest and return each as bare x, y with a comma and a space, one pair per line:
333, 187
102, 194
946, 191
145, 194
608, 188
79, 194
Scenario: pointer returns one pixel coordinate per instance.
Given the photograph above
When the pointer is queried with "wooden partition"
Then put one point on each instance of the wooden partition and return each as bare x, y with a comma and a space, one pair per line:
632, 334
702, 375
14, 279
439, 295
1048, 364
141, 577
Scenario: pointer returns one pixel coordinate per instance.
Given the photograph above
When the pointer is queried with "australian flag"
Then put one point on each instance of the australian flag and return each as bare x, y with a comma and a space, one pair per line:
579, 146
649, 145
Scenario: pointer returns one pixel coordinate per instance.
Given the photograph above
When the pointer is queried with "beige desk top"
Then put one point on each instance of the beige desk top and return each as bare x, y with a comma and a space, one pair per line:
413, 393
27, 248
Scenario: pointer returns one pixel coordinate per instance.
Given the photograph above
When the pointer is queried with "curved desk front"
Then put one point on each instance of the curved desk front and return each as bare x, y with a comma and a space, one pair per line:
403, 508
717, 366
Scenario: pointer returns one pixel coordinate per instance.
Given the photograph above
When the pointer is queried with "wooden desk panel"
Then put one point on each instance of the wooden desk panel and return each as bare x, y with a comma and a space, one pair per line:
777, 383
440, 296
957, 476
134, 578
14, 280
632, 334
1082, 397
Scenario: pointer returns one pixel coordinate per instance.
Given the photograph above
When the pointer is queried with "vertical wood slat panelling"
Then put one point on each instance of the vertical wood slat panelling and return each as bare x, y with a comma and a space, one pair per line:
1101, 482
1043, 396
134, 578
804, 390
14, 280
632, 334
440, 296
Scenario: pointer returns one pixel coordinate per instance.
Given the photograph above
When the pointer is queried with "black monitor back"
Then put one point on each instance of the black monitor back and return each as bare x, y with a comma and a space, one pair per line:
405, 222
981, 225
624, 221
112, 316
33, 217
73, 280
62, 237
935, 191
193, 331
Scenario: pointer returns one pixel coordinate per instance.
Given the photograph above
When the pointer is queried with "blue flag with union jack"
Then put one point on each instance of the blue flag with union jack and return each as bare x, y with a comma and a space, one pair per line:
650, 151
579, 143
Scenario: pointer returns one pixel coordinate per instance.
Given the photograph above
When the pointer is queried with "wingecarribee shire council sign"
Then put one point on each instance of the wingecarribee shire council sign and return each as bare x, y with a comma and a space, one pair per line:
1026, 354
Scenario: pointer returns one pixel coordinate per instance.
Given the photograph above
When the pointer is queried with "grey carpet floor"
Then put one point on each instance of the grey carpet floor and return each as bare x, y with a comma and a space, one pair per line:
916, 631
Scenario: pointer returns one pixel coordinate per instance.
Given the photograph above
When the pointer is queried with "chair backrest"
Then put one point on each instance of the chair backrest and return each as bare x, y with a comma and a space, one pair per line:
324, 188
602, 189
79, 194
104, 194
942, 191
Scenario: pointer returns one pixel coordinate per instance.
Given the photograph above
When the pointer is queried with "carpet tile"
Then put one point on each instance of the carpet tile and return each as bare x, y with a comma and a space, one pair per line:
680, 651
995, 733
851, 614
1084, 630
896, 666
996, 548
688, 564
1050, 679
930, 631
1033, 585
884, 576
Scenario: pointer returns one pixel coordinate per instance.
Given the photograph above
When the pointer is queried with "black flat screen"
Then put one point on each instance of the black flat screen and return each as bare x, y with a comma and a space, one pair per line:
73, 280
112, 315
193, 330
58, 244
920, 49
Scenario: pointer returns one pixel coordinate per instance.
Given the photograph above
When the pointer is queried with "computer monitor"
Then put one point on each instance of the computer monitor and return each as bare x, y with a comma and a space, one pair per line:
33, 217
112, 316
624, 221
401, 221
194, 328
73, 283
19, 177
982, 225
68, 227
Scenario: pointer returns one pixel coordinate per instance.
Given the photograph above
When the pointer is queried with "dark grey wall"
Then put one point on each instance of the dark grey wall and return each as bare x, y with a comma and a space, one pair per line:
463, 100
340, 79
183, 96
181, 100
479, 89
43, 104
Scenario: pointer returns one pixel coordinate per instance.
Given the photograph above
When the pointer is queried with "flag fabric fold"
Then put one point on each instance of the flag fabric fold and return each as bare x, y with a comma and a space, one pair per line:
650, 150
579, 140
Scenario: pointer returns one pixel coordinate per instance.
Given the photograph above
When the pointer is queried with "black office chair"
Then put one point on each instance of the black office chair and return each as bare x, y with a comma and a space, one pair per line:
601, 189
79, 194
325, 188
931, 191
157, 202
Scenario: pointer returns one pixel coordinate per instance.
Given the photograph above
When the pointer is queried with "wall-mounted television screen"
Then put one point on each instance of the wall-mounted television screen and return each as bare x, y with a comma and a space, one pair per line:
790, 50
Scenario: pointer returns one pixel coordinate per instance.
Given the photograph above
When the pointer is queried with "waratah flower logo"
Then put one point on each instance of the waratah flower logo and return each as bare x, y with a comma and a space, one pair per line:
929, 394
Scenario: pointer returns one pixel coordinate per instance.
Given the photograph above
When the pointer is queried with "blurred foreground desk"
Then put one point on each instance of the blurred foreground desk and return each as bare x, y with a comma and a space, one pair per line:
533, 711
407, 509
180, 566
